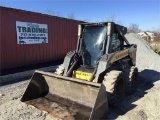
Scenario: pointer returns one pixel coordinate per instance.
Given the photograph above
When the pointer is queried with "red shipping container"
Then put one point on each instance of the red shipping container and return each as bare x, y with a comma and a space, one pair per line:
62, 37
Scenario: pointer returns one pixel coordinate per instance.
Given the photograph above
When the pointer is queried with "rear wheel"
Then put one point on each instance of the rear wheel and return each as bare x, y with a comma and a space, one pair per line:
132, 80
60, 70
114, 82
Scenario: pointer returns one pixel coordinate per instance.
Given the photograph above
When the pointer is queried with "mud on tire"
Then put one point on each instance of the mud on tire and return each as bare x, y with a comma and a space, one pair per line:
60, 70
132, 81
114, 82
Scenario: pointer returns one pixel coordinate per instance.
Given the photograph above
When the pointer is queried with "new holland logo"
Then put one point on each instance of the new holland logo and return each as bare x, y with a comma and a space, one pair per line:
119, 55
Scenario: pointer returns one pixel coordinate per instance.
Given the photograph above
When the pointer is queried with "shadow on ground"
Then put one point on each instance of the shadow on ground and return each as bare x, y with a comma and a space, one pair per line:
24, 73
146, 79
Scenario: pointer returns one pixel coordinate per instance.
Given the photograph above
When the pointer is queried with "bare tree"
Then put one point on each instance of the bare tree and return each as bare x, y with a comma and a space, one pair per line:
112, 18
157, 34
50, 12
120, 22
156, 43
58, 14
133, 28
71, 16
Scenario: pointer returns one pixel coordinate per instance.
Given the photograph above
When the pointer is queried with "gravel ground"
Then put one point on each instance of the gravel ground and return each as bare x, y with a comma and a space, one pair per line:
13, 109
143, 105
148, 62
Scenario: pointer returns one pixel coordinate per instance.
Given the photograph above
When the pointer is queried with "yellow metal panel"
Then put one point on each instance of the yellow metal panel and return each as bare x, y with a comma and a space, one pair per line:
119, 55
81, 75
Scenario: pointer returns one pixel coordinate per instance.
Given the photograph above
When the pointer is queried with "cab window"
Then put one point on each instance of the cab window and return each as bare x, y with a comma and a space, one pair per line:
115, 43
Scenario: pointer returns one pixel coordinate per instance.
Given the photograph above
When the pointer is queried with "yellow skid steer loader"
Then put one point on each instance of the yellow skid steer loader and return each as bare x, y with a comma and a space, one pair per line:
96, 74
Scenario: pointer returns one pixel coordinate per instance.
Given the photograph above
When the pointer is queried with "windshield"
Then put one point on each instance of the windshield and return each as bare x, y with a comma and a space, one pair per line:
93, 37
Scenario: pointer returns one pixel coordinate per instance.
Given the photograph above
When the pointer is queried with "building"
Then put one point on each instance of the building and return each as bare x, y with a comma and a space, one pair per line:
29, 38
148, 36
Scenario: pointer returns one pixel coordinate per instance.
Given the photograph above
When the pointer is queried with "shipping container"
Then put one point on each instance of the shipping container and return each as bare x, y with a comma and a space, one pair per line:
62, 37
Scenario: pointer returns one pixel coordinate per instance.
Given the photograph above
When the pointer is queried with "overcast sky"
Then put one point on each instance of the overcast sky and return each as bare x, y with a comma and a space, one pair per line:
145, 13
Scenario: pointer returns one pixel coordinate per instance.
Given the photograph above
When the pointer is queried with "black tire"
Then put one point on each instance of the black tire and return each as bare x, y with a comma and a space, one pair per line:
132, 83
158, 52
60, 70
114, 82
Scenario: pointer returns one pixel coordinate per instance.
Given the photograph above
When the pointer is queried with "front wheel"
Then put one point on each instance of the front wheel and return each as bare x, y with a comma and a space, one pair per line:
60, 70
114, 82
132, 80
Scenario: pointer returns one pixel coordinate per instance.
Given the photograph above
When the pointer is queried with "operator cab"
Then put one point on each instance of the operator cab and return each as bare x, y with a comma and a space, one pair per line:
93, 38
96, 40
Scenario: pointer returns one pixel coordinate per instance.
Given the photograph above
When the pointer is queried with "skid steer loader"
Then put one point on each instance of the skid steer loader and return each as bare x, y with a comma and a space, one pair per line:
99, 72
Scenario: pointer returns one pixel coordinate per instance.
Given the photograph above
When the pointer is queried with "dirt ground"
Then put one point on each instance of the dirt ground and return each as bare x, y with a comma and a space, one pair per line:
144, 104
11, 108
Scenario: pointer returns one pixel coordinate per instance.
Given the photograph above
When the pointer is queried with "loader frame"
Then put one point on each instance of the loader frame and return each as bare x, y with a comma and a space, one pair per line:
106, 83
108, 58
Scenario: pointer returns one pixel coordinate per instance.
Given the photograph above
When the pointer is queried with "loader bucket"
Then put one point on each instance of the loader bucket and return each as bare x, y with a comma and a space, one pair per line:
88, 100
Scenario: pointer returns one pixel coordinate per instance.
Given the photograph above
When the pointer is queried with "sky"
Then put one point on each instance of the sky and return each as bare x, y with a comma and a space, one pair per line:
145, 13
